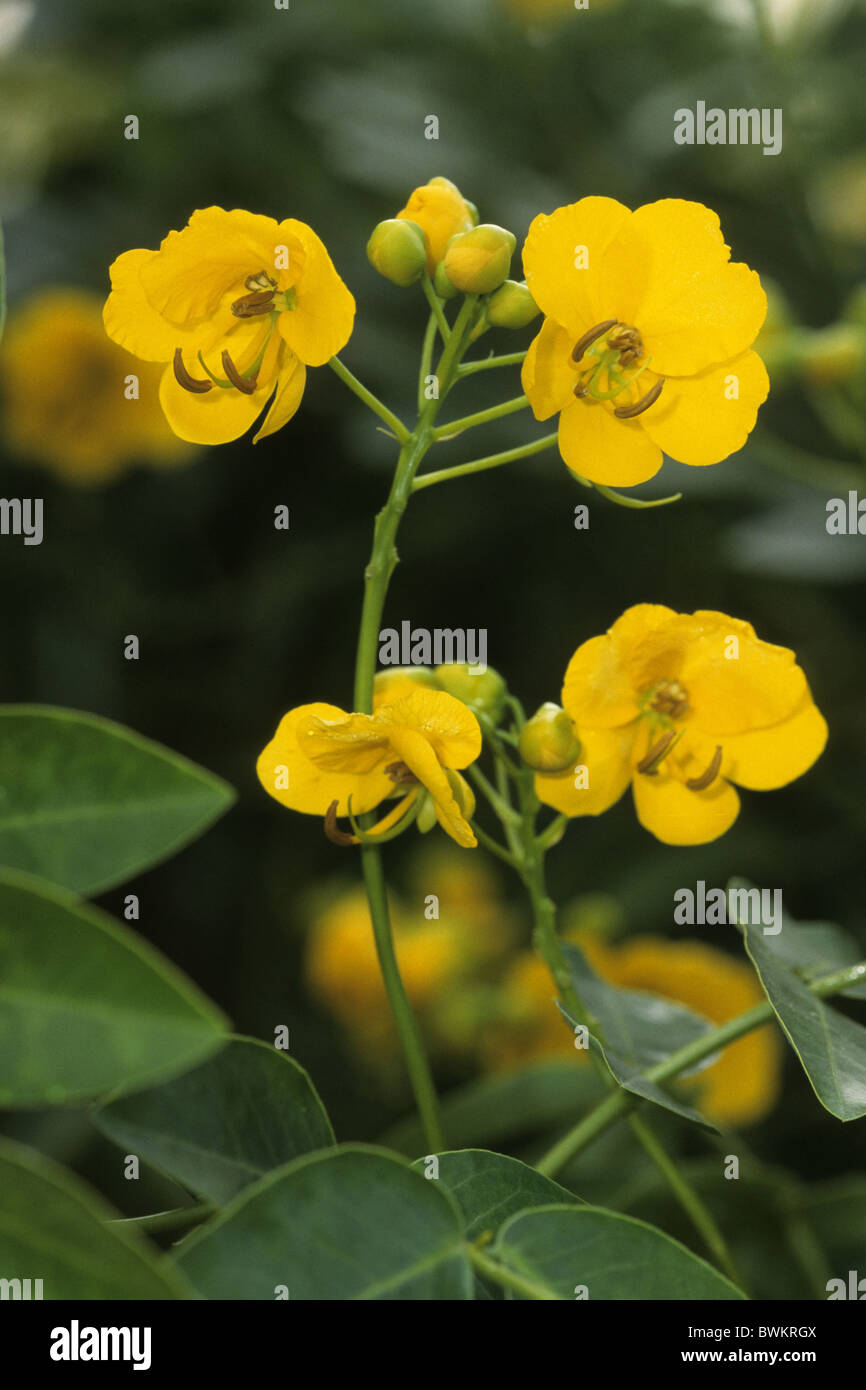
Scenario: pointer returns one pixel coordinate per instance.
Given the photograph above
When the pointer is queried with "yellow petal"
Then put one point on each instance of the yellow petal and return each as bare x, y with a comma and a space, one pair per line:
698, 419
554, 253
350, 743
668, 273
321, 322
677, 816
607, 675
289, 393
441, 211
547, 375
606, 756
736, 682
767, 758
216, 417
446, 723
312, 789
417, 753
130, 319
598, 446
215, 252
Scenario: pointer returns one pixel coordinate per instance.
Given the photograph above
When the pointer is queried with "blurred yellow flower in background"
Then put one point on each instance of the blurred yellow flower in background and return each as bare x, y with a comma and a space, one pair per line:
68, 402
740, 1088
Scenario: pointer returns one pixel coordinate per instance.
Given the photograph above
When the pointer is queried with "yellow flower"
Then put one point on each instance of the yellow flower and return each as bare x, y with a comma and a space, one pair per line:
682, 706
322, 758
69, 402
238, 306
441, 211
646, 342
738, 1089
342, 967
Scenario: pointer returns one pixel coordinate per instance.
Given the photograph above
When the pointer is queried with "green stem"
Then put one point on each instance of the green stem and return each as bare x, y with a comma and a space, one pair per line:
426, 362
396, 426
444, 475
489, 843
436, 306
618, 1103
481, 417
687, 1198
508, 359
172, 1220
508, 1278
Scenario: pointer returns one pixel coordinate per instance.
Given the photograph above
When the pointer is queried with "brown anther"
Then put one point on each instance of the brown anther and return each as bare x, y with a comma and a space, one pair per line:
649, 765
332, 830
581, 390
250, 305
247, 384
590, 336
260, 281
628, 343
706, 779
671, 698
183, 378
628, 412
400, 773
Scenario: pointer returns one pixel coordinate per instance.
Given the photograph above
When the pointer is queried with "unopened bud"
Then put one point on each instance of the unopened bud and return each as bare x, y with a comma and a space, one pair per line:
398, 251
548, 742
483, 691
396, 681
511, 306
478, 261
442, 285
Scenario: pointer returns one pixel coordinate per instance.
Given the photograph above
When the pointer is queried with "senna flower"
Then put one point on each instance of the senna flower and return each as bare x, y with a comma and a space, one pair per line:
326, 762
238, 306
646, 343
739, 1088
75, 402
441, 211
683, 706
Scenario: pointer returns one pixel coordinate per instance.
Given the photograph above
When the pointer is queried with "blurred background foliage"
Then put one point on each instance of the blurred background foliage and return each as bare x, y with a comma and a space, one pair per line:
318, 112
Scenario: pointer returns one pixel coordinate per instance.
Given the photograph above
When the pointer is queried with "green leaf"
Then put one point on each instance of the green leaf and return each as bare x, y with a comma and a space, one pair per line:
53, 1228
87, 803
639, 1030
224, 1125
87, 1006
498, 1108
489, 1187
558, 1249
356, 1223
831, 1047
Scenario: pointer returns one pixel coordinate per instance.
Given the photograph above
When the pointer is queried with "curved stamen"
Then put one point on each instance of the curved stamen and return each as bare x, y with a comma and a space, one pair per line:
628, 412
183, 378
332, 830
590, 336
649, 764
706, 779
247, 384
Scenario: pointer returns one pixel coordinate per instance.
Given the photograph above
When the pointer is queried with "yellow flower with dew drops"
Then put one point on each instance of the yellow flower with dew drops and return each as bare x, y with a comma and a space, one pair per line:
646, 342
441, 211
75, 402
683, 706
237, 306
326, 762
739, 1088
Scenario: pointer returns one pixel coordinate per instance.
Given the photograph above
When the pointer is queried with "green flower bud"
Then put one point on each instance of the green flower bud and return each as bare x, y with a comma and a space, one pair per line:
398, 250
478, 261
548, 742
833, 354
483, 692
442, 285
511, 306
473, 211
